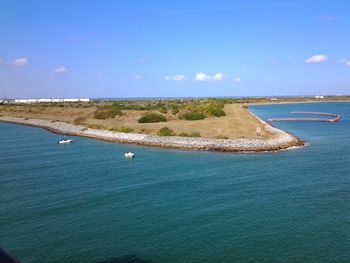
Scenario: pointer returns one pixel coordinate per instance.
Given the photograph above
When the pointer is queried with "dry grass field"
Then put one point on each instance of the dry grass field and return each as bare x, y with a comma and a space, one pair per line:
237, 123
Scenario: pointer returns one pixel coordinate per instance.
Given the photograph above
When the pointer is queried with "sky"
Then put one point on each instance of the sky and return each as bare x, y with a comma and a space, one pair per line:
182, 48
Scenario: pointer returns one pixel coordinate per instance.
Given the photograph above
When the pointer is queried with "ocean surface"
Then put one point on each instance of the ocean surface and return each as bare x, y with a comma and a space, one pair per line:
85, 203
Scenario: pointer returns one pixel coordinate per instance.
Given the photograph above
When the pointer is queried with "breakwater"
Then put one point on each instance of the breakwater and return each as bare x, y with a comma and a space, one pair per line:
335, 117
280, 140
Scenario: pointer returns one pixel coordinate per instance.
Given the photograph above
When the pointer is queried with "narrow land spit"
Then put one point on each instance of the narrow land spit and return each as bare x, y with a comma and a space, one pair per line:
336, 117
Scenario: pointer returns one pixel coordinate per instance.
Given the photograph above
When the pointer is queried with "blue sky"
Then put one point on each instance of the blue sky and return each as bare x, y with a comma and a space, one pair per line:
157, 48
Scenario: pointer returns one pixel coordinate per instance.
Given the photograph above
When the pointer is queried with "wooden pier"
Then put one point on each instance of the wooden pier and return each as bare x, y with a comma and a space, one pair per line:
335, 117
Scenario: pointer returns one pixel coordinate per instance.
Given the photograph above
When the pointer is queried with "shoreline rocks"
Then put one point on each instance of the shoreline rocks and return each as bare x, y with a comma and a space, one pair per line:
281, 141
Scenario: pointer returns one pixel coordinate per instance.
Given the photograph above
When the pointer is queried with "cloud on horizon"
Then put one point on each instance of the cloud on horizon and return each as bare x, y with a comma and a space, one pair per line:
205, 77
20, 62
345, 62
138, 76
61, 70
237, 79
178, 77
316, 59
219, 76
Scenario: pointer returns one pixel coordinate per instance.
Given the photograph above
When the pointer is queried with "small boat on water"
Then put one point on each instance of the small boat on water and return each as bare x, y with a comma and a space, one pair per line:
129, 155
65, 141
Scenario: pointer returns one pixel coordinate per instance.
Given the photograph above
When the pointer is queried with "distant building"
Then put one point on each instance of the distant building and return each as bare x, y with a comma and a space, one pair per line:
274, 99
319, 97
44, 100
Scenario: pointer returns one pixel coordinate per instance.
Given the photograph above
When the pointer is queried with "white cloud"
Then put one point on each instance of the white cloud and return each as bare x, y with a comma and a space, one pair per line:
345, 62
20, 62
204, 77
138, 77
61, 70
219, 76
237, 79
316, 59
175, 78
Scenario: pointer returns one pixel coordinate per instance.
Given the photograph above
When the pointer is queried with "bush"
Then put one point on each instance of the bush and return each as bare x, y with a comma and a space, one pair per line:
193, 134
192, 116
95, 126
126, 129
221, 137
165, 131
79, 120
175, 110
152, 117
122, 129
107, 112
163, 110
215, 111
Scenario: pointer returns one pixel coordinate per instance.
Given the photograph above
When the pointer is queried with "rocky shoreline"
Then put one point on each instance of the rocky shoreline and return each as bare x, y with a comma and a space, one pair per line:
281, 141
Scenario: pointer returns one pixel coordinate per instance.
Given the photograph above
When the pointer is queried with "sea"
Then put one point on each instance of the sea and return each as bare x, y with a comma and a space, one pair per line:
85, 202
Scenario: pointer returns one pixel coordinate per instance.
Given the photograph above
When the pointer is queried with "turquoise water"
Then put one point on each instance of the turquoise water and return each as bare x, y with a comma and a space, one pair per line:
85, 203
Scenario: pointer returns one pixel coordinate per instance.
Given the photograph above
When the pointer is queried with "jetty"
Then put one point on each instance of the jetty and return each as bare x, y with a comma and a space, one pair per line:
334, 117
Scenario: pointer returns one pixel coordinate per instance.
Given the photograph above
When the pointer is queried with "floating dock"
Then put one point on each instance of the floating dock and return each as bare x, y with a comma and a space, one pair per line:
335, 117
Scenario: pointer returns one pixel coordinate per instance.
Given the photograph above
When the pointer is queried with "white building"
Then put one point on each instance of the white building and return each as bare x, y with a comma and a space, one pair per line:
44, 100
319, 97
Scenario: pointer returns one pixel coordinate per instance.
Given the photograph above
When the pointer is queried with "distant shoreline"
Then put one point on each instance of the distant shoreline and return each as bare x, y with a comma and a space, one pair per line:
281, 141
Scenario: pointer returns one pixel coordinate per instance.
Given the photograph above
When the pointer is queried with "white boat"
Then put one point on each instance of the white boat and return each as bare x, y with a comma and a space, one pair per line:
65, 141
129, 155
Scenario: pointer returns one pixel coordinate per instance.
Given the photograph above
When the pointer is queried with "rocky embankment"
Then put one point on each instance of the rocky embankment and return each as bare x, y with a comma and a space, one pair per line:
280, 141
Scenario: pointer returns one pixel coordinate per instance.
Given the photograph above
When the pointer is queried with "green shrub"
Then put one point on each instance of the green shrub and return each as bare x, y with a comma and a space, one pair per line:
122, 129
193, 134
163, 110
175, 111
192, 116
152, 117
126, 129
79, 120
106, 112
215, 111
95, 126
221, 137
165, 131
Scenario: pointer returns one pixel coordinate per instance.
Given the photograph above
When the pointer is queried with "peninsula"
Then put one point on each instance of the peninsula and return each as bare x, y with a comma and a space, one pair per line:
194, 124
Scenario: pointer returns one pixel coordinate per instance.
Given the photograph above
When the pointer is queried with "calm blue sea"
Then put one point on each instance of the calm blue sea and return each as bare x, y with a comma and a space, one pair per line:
85, 203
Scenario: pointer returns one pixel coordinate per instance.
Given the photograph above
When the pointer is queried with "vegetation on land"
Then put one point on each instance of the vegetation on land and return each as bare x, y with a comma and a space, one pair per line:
152, 118
122, 129
186, 109
193, 134
215, 118
107, 112
165, 131
96, 126
192, 116
79, 120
